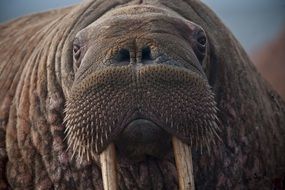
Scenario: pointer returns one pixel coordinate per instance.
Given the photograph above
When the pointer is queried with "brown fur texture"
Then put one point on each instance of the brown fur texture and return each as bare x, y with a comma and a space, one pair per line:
37, 76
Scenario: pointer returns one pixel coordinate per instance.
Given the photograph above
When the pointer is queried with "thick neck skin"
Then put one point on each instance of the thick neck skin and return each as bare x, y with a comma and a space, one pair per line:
38, 76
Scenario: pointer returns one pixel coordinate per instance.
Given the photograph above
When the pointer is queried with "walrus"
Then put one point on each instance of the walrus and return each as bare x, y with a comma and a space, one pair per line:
134, 95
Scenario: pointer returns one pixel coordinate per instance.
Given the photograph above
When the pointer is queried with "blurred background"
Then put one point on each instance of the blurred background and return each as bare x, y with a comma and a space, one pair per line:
259, 25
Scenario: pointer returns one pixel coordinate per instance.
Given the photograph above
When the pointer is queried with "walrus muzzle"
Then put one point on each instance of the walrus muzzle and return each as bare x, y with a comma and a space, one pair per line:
101, 106
178, 100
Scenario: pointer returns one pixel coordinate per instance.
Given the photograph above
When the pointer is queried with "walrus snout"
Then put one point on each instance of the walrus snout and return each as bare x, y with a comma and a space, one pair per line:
142, 137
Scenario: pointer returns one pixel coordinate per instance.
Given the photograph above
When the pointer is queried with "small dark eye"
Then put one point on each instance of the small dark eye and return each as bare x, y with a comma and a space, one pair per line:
202, 40
200, 44
76, 51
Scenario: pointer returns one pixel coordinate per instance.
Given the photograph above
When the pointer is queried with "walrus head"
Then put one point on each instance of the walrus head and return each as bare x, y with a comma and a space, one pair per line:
139, 82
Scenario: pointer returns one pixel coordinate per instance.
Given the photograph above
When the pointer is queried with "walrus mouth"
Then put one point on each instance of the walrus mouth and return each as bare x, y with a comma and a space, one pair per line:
178, 100
183, 160
138, 130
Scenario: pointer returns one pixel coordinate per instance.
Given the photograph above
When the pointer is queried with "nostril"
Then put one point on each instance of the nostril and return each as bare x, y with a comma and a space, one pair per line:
146, 54
123, 55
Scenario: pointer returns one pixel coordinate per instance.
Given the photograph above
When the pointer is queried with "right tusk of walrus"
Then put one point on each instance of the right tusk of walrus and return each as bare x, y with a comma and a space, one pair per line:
108, 168
184, 165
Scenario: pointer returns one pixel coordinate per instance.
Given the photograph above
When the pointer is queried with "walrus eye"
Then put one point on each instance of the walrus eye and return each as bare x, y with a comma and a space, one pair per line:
76, 51
201, 42
76, 54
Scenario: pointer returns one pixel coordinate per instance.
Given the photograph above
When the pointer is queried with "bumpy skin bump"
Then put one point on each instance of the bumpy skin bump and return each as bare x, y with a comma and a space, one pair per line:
41, 84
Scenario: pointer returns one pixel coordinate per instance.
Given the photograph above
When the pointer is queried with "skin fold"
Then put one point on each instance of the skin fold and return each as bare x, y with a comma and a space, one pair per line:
135, 74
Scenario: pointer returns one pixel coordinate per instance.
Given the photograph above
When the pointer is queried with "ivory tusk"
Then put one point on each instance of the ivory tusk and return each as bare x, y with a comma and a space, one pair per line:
108, 168
184, 165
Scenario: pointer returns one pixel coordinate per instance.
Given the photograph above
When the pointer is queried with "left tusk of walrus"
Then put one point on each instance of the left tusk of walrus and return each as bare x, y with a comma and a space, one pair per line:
184, 165
108, 168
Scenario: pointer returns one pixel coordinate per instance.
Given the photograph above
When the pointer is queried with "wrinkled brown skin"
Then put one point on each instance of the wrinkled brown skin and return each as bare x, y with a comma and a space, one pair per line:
35, 75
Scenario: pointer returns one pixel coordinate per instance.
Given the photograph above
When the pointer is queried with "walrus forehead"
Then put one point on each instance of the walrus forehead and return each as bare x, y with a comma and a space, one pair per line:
134, 21
138, 10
